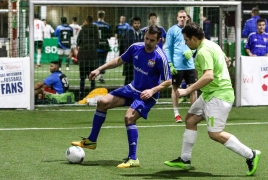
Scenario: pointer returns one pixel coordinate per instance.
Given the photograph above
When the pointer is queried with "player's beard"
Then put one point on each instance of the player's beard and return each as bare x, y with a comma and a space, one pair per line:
148, 48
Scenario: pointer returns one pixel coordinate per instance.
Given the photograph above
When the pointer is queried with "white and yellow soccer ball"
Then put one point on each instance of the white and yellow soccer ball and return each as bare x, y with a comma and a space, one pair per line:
75, 155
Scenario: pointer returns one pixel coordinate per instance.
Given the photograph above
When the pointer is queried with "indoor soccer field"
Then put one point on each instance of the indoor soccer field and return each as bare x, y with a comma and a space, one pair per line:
33, 145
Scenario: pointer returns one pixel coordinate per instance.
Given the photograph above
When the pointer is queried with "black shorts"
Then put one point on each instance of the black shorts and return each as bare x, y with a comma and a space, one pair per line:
38, 44
188, 75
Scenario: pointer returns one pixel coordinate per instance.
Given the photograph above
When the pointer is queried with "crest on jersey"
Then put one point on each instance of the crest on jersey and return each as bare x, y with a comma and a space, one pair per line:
151, 63
265, 39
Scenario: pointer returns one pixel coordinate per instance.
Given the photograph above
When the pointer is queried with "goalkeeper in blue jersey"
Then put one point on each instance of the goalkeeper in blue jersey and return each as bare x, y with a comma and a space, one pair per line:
180, 61
64, 32
150, 67
213, 105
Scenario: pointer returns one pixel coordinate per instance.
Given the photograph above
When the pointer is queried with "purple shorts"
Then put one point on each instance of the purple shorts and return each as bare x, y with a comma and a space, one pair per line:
132, 99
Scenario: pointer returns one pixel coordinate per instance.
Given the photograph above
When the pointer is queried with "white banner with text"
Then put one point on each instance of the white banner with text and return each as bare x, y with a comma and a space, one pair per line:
15, 82
254, 81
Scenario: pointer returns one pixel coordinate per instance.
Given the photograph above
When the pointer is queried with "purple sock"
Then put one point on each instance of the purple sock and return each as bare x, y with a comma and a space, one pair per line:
98, 120
183, 85
132, 134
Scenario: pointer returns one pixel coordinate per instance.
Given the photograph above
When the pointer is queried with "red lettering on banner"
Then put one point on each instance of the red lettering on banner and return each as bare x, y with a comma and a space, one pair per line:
248, 79
12, 67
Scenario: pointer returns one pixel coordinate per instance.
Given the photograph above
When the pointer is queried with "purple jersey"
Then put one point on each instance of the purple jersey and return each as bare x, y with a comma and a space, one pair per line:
258, 43
149, 68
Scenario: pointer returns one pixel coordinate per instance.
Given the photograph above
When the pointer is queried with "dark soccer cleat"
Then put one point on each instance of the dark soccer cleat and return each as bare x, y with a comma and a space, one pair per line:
253, 163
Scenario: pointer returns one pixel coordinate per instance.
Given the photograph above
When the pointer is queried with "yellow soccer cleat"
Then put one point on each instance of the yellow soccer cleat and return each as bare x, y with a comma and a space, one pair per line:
128, 163
85, 143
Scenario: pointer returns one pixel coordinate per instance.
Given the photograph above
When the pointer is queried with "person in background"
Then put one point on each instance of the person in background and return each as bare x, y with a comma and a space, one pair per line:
64, 33
87, 41
151, 67
48, 29
206, 27
257, 44
132, 35
250, 24
39, 29
120, 28
189, 19
104, 35
180, 61
153, 21
213, 105
76, 30
55, 83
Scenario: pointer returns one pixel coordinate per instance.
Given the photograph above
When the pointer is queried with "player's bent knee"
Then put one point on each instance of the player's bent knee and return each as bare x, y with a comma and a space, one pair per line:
103, 103
214, 136
129, 120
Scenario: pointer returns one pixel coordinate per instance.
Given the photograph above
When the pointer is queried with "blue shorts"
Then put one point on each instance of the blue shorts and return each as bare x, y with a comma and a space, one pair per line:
133, 100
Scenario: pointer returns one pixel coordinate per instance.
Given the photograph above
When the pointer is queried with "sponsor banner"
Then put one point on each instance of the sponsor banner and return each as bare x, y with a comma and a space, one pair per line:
254, 81
114, 49
49, 50
15, 82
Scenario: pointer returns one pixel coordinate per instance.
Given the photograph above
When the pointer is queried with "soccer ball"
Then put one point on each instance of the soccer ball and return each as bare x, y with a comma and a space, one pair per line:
75, 155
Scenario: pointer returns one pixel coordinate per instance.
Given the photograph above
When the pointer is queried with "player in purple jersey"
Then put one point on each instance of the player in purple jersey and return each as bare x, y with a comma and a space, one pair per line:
257, 44
153, 21
150, 67
250, 24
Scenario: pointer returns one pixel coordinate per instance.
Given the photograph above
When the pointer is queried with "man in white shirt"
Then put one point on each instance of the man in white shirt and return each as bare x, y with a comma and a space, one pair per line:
39, 29
76, 30
48, 29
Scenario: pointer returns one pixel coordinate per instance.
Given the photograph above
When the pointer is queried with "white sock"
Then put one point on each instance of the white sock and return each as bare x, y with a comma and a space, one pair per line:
236, 146
38, 59
189, 138
176, 112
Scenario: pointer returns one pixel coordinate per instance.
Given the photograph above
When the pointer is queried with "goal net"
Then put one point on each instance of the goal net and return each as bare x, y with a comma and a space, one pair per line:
222, 21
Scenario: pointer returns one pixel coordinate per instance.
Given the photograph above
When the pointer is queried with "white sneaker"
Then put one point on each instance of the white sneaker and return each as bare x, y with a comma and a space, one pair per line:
67, 69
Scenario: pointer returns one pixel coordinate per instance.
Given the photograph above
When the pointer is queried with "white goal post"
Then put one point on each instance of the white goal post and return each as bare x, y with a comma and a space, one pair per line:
236, 5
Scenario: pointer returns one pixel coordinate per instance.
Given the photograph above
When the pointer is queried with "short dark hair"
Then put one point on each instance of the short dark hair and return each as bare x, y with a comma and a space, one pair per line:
101, 14
89, 19
63, 20
43, 19
255, 11
152, 14
192, 29
74, 19
36, 16
55, 62
136, 18
154, 29
261, 20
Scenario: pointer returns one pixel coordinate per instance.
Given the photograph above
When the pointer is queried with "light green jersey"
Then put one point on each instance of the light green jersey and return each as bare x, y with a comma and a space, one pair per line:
210, 56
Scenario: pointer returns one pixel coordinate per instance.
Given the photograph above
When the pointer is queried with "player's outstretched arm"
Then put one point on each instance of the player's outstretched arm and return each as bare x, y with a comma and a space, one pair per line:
148, 93
161, 86
109, 65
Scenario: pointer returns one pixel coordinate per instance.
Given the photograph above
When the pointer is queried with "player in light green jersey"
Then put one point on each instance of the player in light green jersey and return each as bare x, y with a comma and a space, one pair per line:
213, 105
